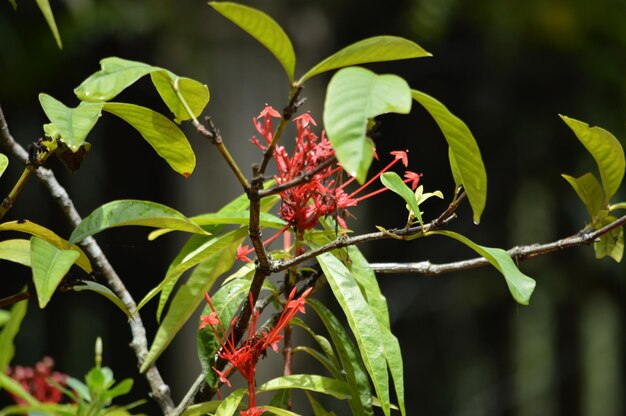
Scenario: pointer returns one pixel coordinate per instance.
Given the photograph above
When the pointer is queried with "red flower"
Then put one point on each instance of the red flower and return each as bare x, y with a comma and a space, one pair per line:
35, 381
412, 177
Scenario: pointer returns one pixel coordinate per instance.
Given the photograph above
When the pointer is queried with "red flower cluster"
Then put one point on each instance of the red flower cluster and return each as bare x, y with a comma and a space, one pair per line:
245, 357
35, 381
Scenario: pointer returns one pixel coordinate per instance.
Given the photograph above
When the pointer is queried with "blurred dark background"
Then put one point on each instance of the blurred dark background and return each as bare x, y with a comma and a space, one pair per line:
506, 68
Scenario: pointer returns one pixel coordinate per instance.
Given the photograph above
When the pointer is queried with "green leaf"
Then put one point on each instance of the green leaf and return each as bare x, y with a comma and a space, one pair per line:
73, 124
16, 250
4, 317
163, 135
8, 333
375, 49
104, 291
520, 285
132, 212
201, 408
229, 405
360, 318
466, 161
191, 294
354, 96
392, 181
610, 244
264, 29
14, 4
31, 228
607, 152
115, 75
49, 266
195, 94
4, 162
278, 411
318, 409
12, 386
46, 10
589, 191
310, 382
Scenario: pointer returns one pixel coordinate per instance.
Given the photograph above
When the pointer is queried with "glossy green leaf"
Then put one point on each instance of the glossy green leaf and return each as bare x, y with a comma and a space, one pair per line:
162, 134
49, 266
195, 94
310, 382
278, 411
4, 162
355, 372
394, 182
375, 49
610, 244
226, 301
365, 277
28, 227
73, 124
520, 285
103, 291
468, 166
8, 333
132, 212
46, 10
607, 152
264, 29
589, 191
115, 75
354, 96
201, 408
229, 405
191, 294
16, 250
360, 318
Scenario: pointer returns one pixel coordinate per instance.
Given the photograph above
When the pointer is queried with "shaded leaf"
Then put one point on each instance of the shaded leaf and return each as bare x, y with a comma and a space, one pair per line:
14, 4
49, 266
46, 10
132, 212
610, 244
163, 135
318, 409
374, 49
104, 291
589, 191
354, 96
8, 333
520, 285
264, 29
4, 162
607, 152
229, 405
310, 382
360, 318
16, 250
466, 162
394, 182
73, 124
195, 94
37, 230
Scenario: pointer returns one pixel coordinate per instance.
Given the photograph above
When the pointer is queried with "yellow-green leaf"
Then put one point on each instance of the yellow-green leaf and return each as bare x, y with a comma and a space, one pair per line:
4, 162
589, 191
49, 266
195, 94
610, 244
16, 250
46, 10
8, 333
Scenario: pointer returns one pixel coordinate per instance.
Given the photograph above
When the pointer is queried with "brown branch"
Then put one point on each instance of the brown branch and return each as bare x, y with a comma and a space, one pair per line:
18, 297
518, 253
303, 178
159, 390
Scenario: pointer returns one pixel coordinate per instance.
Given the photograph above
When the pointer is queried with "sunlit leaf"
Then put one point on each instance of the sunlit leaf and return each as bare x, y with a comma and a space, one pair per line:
103, 291
73, 124
191, 294
229, 405
610, 244
278, 411
607, 152
318, 409
263, 28
201, 408
360, 318
354, 96
4, 162
520, 285
162, 134
46, 10
195, 94
8, 333
375, 49
16, 250
589, 191
31, 228
394, 182
466, 161
49, 266
132, 212
310, 382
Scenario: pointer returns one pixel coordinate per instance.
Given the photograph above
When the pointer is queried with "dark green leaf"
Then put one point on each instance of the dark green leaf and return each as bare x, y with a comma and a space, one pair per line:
14, 4
610, 244
607, 152
263, 28
49, 266
195, 94
466, 161
46, 10
354, 96
589, 191
310, 382
132, 212
73, 124
392, 181
375, 49
8, 333
520, 285
103, 291
163, 135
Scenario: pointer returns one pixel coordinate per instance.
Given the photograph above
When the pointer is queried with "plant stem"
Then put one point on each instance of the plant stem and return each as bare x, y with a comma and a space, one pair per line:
8, 202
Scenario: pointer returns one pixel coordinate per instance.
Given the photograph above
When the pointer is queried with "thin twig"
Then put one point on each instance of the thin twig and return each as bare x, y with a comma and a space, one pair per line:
303, 178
